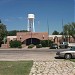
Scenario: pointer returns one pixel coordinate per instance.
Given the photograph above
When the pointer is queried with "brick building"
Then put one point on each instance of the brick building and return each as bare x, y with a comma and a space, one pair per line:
35, 37
27, 38
58, 39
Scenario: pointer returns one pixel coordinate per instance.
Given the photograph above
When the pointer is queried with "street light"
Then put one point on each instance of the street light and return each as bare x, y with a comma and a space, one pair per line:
31, 32
31, 37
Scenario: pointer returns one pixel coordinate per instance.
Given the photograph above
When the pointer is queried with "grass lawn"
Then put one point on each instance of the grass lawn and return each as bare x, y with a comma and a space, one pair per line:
72, 60
15, 67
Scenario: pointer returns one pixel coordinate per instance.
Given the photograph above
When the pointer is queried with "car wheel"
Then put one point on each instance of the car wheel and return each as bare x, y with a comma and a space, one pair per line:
68, 56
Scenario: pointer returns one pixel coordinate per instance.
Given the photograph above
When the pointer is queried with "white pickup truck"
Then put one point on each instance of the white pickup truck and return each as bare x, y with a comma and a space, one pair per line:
67, 54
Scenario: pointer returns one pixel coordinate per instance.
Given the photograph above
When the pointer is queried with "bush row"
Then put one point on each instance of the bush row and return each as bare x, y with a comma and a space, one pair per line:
46, 43
15, 44
37, 46
43, 43
31, 46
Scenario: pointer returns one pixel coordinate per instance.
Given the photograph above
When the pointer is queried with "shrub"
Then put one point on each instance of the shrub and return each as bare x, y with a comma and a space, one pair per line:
15, 44
31, 46
39, 46
46, 43
19, 46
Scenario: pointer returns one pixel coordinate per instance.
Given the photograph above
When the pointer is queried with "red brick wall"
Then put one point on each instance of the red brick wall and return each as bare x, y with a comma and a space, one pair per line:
25, 35
4, 46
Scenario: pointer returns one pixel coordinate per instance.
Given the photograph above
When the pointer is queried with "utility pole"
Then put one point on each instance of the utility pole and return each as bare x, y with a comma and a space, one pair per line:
62, 30
62, 27
48, 32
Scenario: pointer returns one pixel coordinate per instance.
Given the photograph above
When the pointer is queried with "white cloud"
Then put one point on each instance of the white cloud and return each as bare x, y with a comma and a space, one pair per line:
9, 19
13, 19
20, 18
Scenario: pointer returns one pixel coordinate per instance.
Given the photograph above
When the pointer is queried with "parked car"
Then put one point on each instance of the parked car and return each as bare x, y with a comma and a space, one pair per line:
67, 54
54, 46
63, 45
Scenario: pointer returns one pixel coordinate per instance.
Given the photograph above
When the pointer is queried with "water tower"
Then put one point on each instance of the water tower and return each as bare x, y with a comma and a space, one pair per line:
30, 27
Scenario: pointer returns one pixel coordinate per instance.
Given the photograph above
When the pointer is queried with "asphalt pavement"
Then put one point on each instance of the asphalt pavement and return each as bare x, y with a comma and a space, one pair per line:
28, 54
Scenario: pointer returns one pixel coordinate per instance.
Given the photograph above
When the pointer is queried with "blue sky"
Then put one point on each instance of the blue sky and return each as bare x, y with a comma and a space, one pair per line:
13, 14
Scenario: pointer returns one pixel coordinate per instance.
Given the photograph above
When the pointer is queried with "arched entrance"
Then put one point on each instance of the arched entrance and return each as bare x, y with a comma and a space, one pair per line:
34, 41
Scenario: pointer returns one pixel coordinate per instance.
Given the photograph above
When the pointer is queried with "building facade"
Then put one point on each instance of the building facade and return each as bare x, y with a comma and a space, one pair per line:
28, 38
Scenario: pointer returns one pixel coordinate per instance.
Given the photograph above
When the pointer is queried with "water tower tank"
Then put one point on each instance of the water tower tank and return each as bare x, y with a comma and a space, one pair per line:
31, 16
30, 26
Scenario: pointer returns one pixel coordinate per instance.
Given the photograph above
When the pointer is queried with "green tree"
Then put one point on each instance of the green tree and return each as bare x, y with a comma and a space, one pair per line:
14, 32
3, 32
23, 31
61, 33
69, 30
55, 33
45, 43
0, 21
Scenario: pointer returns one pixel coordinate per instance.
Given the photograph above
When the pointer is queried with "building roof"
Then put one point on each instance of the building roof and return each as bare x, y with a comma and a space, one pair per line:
55, 36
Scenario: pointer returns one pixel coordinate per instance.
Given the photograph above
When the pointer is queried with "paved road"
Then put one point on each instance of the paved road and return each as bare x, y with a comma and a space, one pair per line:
29, 50
31, 54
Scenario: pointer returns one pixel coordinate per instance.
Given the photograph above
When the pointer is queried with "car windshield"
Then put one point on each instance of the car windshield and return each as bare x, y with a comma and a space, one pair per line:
55, 45
72, 48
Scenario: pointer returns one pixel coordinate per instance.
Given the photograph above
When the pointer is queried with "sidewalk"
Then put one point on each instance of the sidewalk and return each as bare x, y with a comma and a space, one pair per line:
10, 48
25, 48
53, 67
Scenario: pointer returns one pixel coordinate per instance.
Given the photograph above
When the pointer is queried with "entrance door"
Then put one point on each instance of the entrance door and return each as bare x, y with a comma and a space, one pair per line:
34, 41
